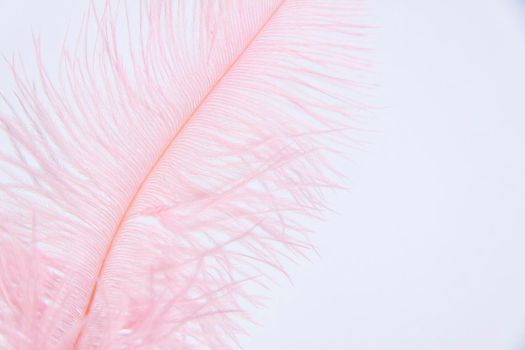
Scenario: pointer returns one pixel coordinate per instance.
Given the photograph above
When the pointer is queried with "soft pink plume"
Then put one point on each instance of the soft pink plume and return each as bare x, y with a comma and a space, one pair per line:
168, 168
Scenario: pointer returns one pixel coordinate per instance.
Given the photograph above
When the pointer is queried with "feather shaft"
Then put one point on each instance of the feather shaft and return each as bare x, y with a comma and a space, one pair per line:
158, 161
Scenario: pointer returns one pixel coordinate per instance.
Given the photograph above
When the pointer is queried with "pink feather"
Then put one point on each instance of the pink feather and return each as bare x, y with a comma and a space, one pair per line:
150, 187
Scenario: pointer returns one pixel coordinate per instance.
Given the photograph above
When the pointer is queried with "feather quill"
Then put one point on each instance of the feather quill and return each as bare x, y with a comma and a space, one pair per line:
168, 169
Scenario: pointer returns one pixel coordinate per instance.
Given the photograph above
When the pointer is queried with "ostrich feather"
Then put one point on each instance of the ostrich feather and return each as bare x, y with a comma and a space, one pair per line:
151, 186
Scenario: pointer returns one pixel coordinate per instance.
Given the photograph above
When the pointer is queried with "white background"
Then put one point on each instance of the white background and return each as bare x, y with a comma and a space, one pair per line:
427, 248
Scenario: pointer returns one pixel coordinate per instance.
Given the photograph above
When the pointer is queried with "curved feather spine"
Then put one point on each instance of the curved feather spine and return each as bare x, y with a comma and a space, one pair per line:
155, 165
